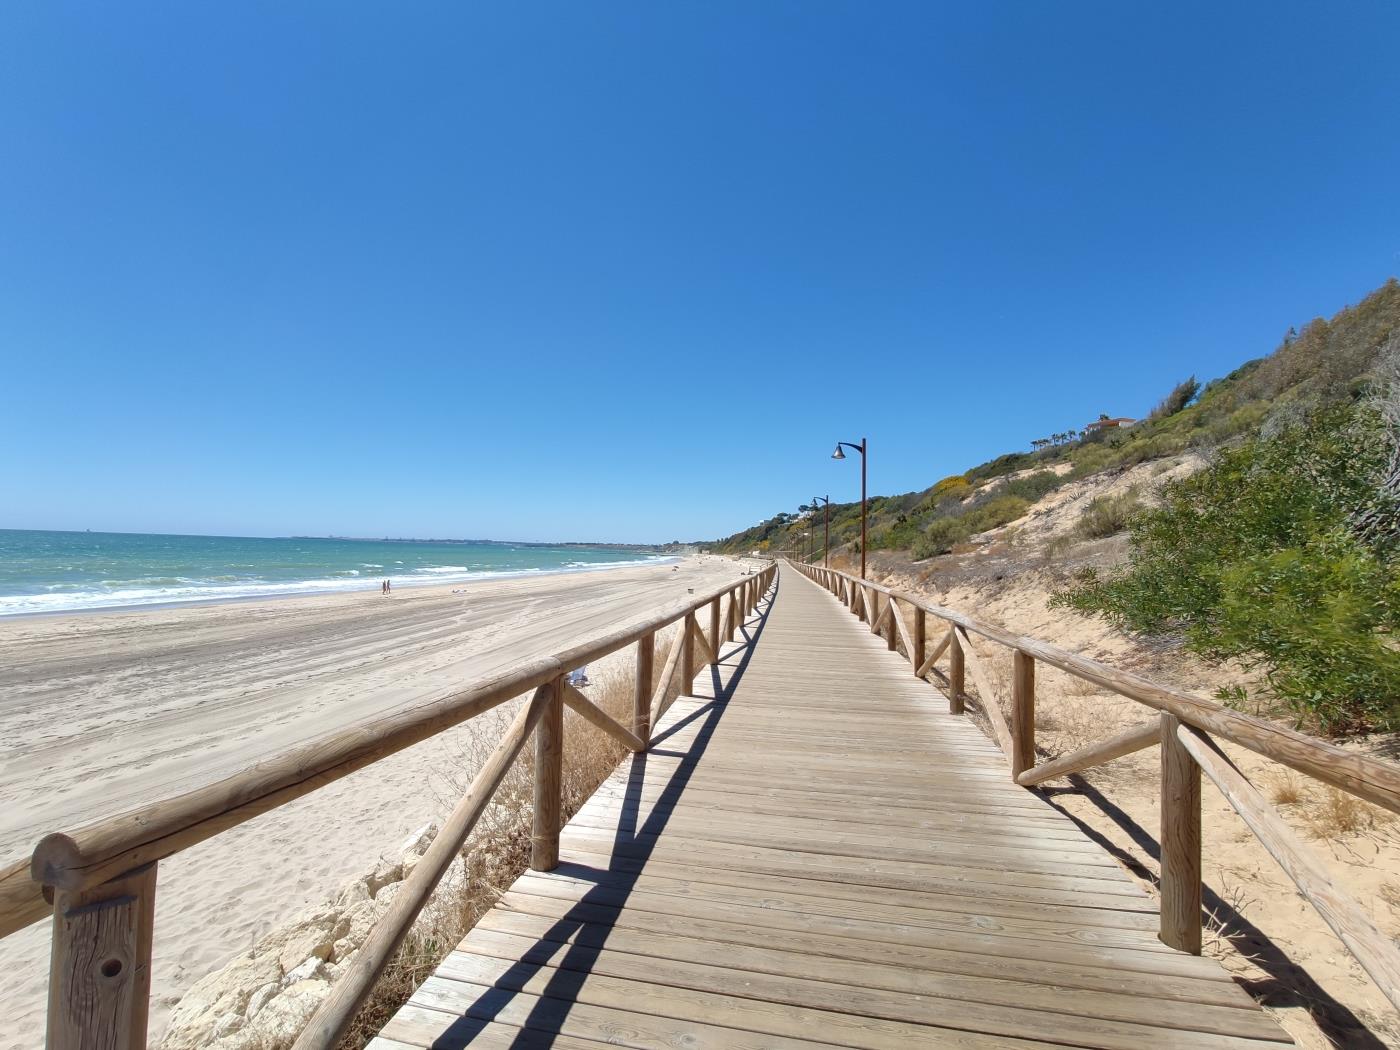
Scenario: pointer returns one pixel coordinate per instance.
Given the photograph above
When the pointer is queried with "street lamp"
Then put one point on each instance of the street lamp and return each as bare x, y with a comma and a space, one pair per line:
838, 454
808, 536
825, 501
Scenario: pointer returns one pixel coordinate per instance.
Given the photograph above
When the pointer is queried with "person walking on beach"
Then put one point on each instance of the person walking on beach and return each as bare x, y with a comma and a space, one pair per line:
388, 586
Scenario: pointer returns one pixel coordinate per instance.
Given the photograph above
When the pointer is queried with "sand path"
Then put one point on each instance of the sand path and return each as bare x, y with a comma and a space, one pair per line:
103, 711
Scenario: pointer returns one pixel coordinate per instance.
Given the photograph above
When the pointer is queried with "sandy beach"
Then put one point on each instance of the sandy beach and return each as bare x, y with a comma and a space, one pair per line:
105, 711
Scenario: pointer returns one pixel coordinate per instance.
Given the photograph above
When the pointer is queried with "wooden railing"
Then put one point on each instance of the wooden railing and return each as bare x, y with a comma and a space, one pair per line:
1184, 729
98, 882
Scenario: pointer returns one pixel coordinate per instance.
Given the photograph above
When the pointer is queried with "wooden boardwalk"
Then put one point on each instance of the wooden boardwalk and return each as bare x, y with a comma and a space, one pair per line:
814, 853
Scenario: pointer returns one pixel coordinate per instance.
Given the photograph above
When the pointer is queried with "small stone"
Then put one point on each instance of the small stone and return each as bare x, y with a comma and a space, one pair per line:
420, 840
311, 941
260, 998
354, 893
313, 969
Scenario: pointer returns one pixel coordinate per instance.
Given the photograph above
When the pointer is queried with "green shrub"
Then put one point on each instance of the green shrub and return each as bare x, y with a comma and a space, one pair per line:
1108, 515
1255, 558
1181, 395
943, 534
1033, 486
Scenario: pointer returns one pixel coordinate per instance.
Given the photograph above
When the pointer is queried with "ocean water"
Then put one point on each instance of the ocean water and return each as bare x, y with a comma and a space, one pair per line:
67, 571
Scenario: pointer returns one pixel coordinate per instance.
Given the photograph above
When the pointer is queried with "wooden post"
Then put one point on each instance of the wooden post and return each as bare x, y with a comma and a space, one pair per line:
549, 769
731, 616
1180, 920
641, 693
688, 628
891, 630
714, 629
1022, 713
955, 676
100, 964
916, 658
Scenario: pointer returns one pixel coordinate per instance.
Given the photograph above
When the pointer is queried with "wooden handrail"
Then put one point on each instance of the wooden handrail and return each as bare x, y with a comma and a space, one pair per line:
1182, 731
1373, 779
111, 863
1376, 952
333, 1017
1095, 754
991, 704
591, 712
94, 853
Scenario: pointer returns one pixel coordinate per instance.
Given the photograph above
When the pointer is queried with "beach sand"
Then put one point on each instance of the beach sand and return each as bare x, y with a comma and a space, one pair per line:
105, 711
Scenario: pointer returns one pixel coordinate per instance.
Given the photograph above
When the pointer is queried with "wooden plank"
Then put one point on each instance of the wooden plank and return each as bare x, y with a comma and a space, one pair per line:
1022, 713
1180, 836
897, 616
816, 855
1125, 743
932, 658
957, 664
1376, 952
1373, 779
100, 964
991, 706
706, 654
641, 686
668, 673
587, 709
700, 1020
767, 1007
645, 937
865, 988
332, 1018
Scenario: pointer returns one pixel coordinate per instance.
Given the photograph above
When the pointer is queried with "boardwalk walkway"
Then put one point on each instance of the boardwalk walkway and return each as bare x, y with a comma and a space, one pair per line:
815, 854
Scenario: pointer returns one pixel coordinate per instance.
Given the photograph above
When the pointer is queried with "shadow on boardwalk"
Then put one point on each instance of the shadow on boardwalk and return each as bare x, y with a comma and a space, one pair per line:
580, 928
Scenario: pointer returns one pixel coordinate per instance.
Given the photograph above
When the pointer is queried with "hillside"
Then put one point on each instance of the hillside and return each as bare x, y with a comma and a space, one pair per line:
1325, 362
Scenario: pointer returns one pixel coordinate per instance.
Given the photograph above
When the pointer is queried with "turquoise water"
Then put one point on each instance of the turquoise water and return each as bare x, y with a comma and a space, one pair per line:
65, 571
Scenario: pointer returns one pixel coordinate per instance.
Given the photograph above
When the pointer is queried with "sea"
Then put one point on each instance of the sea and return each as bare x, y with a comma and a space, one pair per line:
49, 572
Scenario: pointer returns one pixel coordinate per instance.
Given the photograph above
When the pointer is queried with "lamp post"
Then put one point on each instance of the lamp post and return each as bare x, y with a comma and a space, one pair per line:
808, 536
825, 501
838, 454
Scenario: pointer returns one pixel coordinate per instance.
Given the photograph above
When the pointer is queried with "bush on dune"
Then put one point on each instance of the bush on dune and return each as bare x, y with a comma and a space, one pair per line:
1262, 557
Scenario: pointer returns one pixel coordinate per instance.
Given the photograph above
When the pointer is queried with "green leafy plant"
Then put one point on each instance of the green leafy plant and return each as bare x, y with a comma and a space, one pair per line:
1256, 558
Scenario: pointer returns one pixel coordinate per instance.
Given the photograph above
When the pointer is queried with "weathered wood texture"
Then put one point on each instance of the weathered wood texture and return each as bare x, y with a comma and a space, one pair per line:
1180, 837
1095, 754
100, 968
814, 854
1376, 952
549, 766
1365, 776
333, 1017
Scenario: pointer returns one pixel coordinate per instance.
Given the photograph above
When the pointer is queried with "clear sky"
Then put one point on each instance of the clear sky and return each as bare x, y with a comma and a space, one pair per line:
628, 270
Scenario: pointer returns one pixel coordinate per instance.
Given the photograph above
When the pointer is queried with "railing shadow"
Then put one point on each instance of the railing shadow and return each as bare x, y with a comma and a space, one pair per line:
1288, 984
574, 941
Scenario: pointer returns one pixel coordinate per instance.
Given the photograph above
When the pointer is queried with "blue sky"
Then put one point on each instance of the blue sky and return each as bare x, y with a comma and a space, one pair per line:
628, 270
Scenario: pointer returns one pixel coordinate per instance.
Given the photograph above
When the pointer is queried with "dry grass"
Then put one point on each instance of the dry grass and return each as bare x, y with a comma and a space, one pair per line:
1287, 790
1390, 893
1338, 815
498, 850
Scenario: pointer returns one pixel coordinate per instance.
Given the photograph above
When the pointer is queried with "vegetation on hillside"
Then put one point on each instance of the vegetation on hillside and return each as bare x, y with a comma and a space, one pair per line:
1282, 553
1328, 361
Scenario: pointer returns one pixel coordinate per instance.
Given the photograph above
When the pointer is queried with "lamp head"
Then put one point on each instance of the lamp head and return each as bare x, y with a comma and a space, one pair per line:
838, 454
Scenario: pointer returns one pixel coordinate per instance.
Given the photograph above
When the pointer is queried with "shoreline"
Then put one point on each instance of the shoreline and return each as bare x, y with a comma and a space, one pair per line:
410, 583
